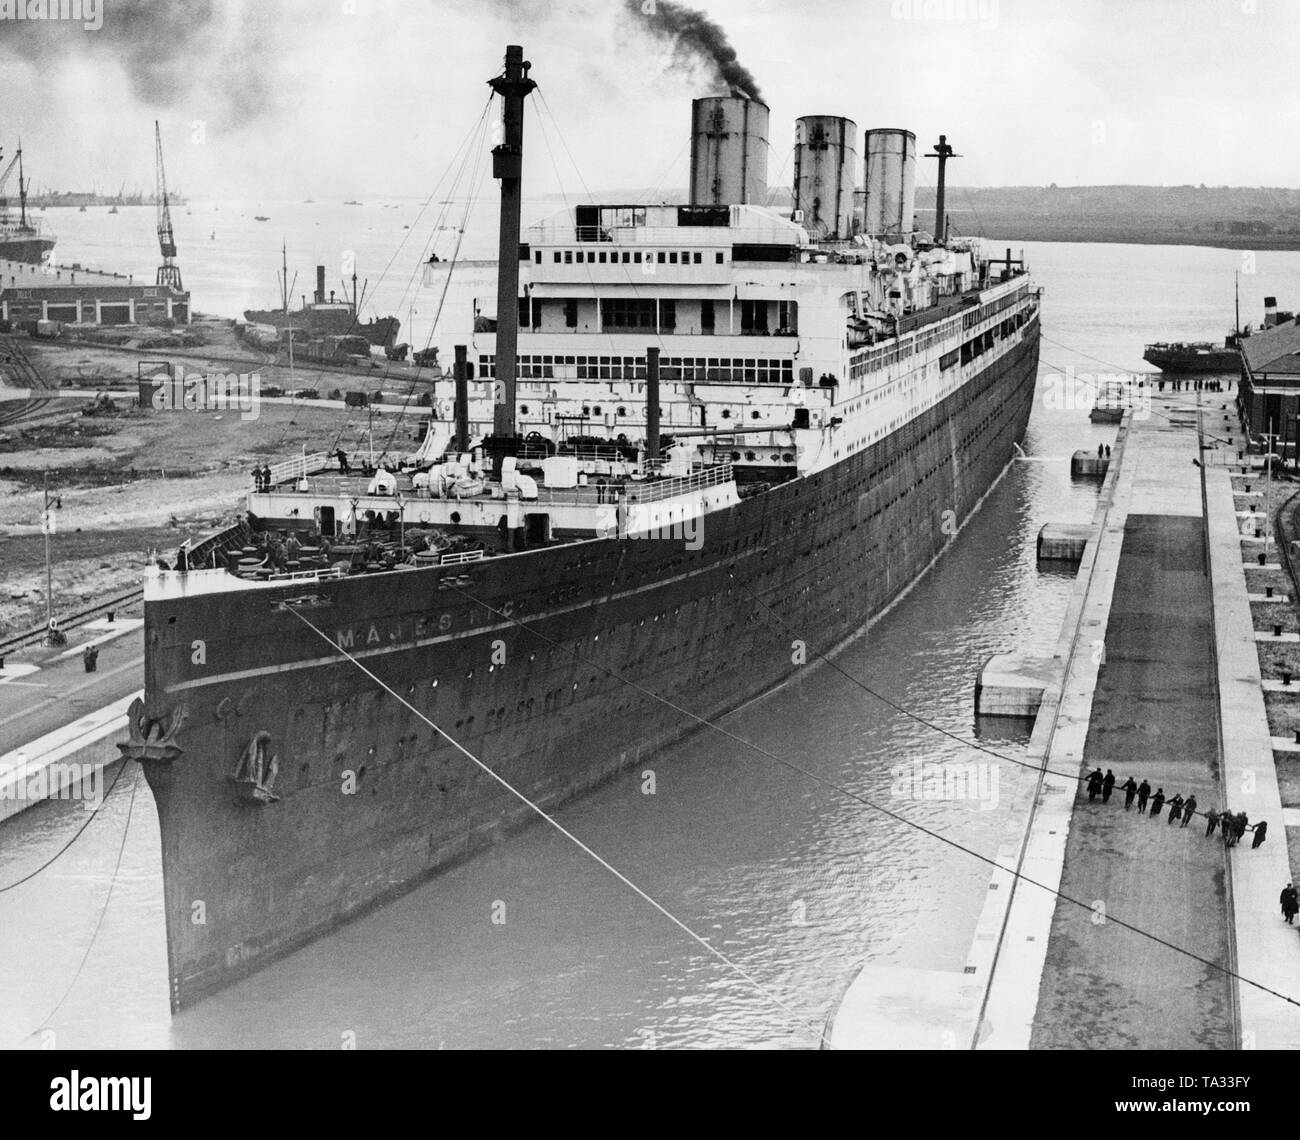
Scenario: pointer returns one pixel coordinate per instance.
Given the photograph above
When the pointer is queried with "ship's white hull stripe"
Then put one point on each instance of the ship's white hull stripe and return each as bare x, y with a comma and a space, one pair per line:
316, 662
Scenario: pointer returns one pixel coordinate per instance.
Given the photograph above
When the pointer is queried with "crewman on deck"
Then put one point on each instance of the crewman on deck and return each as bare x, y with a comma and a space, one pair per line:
1094, 785
1144, 790
1130, 790
1189, 810
1157, 803
1107, 786
343, 461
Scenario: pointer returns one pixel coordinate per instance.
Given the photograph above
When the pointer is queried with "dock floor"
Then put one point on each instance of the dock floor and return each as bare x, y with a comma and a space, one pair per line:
1154, 718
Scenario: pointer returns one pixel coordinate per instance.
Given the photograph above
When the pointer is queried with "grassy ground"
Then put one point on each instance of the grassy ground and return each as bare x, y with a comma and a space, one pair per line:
138, 480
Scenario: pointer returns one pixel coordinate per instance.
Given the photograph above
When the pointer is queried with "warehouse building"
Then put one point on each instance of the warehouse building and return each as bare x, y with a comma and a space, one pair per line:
73, 295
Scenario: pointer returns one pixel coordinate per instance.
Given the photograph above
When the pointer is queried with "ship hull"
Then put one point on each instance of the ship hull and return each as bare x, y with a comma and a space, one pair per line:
381, 332
1218, 360
30, 250
372, 800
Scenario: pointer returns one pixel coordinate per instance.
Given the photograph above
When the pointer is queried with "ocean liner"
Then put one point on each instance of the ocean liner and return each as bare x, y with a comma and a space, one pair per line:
691, 434
21, 238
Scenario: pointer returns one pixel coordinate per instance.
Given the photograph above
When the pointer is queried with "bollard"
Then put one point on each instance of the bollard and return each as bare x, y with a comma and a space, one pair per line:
1286, 678
1261, 560
1268, 591
1248, 488
110, 617
1259, 533
1277, 631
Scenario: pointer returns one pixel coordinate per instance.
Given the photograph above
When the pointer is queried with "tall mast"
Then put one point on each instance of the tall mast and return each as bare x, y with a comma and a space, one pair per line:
942, 151
284, 275
22, 189
513, 85
1236, 301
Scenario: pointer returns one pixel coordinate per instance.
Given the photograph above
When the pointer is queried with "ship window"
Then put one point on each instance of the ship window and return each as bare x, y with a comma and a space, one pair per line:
571, 314
637, 257
627, 257
659, 257
538, 257
698, 258
602, 259
672, 257
720, 257
557, 257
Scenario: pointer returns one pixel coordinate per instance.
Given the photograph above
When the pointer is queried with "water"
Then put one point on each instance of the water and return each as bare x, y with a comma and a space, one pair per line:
795, 883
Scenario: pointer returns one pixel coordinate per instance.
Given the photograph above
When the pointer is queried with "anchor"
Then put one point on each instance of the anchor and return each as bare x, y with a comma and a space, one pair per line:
152, 738
254, 775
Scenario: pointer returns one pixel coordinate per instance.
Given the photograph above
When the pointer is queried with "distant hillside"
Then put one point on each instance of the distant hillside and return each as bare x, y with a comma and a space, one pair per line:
1236, 217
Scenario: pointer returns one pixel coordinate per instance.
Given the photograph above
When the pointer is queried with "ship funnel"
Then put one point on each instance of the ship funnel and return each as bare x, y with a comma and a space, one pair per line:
1270, 312
825, 161
891, 183
728, 151
320, 284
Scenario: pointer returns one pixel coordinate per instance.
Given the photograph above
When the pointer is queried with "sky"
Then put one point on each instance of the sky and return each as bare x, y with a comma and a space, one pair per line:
290, 99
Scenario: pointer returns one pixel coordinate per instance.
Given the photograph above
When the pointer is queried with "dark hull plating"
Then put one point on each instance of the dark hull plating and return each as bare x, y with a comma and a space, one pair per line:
827, 552
30, 249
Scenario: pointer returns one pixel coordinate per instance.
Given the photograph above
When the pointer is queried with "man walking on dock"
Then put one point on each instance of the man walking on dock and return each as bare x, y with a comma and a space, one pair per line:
1189, 810
1290, 903
1130, 790
1107, 786
1176, 808
1211, 821
1144, 790
1261, 833
1157, 803
1094, 785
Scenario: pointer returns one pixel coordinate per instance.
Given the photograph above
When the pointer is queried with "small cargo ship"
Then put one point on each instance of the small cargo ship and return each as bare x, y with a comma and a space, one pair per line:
325, 316
1202, 356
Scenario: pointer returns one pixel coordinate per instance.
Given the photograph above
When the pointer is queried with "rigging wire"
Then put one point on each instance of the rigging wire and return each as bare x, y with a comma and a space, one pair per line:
475, 185
90, 816
864, 801
512, 790
99, 922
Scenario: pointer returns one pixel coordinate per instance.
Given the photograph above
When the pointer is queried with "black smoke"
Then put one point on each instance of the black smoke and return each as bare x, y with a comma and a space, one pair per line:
696, 37
165, 49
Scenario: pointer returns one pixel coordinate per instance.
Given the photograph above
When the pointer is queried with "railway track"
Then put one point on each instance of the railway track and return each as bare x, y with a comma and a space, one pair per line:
19, 371
31, 636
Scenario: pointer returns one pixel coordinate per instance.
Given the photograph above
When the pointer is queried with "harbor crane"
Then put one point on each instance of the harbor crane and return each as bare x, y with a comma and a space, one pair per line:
169, 272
